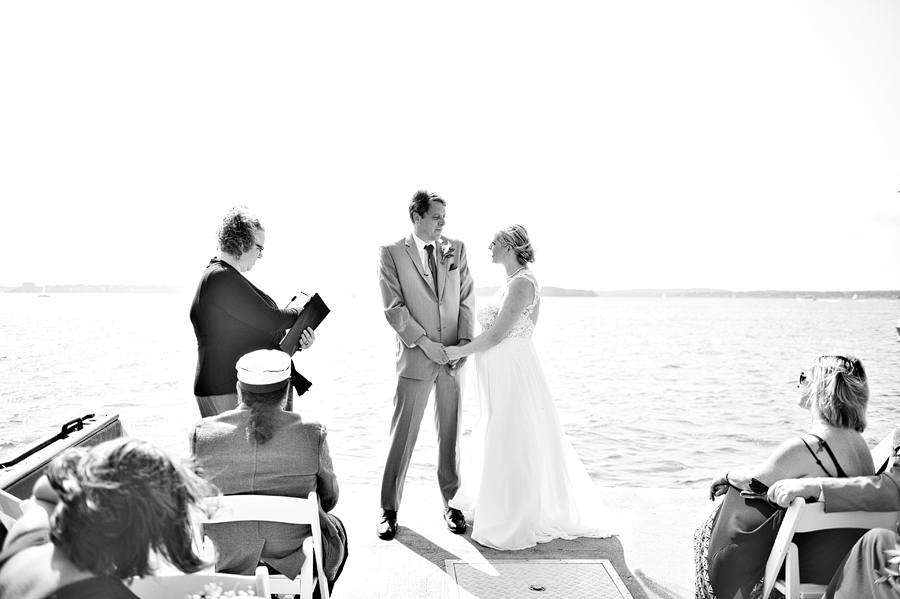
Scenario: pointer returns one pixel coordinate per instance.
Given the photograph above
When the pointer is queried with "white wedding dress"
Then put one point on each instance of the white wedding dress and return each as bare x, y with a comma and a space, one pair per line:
525, 484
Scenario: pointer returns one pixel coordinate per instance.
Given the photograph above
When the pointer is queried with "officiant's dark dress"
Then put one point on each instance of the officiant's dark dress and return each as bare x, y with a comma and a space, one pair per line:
232, 317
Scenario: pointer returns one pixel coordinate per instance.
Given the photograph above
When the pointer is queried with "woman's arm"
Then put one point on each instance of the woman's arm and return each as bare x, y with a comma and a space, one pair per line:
521, 293
44, 495
235, 295
326, 480
790, 460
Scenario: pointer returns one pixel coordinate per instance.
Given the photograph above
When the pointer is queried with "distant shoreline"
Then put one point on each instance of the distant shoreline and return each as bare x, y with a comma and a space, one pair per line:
482, 291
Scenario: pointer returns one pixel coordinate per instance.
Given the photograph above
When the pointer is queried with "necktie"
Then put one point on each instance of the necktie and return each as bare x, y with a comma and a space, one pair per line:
431, 265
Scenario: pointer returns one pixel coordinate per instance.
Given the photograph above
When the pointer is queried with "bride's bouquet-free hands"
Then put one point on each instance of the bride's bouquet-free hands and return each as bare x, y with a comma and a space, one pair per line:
455, 352
456, 358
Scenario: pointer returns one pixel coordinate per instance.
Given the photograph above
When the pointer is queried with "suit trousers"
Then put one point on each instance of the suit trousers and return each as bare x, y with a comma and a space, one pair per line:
409, 408
864, 564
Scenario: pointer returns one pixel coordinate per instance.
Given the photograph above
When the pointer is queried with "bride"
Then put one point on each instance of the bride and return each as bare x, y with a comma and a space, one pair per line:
528, 486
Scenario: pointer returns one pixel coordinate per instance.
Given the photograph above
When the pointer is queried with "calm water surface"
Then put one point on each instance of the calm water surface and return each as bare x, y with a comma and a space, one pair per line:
652, 392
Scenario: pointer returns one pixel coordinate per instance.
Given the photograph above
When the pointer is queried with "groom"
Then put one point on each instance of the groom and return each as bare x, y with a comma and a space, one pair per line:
428, 299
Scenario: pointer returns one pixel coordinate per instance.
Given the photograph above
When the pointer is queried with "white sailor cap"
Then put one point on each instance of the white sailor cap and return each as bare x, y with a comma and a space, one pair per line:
263, 370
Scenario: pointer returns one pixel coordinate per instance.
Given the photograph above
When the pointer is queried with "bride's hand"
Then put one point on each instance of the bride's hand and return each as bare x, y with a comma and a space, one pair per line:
454, 353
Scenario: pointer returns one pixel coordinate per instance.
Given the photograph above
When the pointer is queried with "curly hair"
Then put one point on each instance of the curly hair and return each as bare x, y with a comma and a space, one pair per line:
236, 234
516, 237
119, 501
839, 390
264, 408
421, 203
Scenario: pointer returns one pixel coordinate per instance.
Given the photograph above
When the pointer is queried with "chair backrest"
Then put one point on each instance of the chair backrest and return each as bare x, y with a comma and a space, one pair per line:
806, 517
275, 508
10, 505
883, 452
179, 586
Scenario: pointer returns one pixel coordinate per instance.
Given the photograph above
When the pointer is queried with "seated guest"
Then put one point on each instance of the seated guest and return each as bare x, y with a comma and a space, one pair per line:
97, 516
258, 448
858, 576
731, 548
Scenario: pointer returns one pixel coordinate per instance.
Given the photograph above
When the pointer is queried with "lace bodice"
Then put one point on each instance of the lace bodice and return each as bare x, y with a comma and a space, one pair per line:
524, 327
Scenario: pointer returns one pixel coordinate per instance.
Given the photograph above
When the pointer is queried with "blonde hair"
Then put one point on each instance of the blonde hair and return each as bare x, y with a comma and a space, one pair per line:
516, 237
839, 390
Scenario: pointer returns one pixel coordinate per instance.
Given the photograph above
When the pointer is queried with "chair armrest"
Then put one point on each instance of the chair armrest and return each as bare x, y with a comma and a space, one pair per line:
782, 545
262, 581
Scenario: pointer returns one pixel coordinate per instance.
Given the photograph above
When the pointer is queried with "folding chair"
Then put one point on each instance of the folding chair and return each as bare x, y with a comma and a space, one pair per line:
289, 510
807, 517
10, 505
179, 586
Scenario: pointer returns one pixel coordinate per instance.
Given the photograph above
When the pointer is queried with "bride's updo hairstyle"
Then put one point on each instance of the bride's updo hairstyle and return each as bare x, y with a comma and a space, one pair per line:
516, 237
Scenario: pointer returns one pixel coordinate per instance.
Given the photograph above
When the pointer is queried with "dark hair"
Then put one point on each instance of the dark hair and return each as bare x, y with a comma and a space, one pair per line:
516, 237
119, 501
839, 391
264, 408
421, 203
236, 234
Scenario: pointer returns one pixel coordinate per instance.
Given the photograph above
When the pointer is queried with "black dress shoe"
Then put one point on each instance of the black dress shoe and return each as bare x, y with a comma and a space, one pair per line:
387, 528
455, 521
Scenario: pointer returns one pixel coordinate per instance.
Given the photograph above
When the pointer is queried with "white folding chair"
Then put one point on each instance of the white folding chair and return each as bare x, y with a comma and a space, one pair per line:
289, 510
179, 586
807, 517
10, 509
10, 505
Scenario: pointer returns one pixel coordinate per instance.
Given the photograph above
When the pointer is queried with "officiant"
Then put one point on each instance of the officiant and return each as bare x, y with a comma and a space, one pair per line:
232, 317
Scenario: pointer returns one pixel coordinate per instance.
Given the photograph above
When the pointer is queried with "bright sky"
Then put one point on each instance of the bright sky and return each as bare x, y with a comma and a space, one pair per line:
644, 144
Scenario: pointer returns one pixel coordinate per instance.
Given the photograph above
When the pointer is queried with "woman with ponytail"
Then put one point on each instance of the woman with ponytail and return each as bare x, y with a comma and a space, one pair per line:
731, 548
259, 448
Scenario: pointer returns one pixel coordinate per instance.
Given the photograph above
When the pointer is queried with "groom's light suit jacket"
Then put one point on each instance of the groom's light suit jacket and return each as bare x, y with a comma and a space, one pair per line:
412, 308
878, 493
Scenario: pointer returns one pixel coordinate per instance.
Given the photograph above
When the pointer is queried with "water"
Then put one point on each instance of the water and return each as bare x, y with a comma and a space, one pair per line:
652, 392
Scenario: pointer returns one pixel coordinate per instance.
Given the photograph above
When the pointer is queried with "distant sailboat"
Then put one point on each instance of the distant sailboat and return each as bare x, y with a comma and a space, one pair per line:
854, 296
43, 292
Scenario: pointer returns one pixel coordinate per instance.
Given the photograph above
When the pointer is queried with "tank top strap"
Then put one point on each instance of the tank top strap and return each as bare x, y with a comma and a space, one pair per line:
840, 471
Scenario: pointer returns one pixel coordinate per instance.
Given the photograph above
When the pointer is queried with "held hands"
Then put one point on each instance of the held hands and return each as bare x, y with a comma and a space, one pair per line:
435, 351
455, 353
307, 338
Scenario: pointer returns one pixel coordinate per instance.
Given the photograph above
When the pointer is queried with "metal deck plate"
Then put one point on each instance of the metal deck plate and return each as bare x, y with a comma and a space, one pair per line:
536, 579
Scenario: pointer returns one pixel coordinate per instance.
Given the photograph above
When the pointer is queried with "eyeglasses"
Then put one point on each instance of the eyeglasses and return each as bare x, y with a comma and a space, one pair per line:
259, 247
802, 378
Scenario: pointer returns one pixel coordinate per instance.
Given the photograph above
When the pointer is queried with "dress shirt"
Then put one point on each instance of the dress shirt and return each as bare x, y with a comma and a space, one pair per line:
423, 255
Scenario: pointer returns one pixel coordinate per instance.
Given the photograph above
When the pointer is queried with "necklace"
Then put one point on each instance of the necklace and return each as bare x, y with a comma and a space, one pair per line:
509, 278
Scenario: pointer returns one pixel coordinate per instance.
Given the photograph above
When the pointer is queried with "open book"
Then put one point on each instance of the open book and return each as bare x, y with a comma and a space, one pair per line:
313, 313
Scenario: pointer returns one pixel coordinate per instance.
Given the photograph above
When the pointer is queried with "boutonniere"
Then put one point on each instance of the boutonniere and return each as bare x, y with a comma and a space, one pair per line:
446, 252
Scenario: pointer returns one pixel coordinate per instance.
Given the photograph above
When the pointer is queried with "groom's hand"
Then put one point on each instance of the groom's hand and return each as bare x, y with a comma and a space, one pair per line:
458, 362
434, 351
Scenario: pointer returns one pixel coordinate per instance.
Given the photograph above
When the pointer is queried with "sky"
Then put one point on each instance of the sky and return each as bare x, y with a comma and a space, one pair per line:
643, 144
